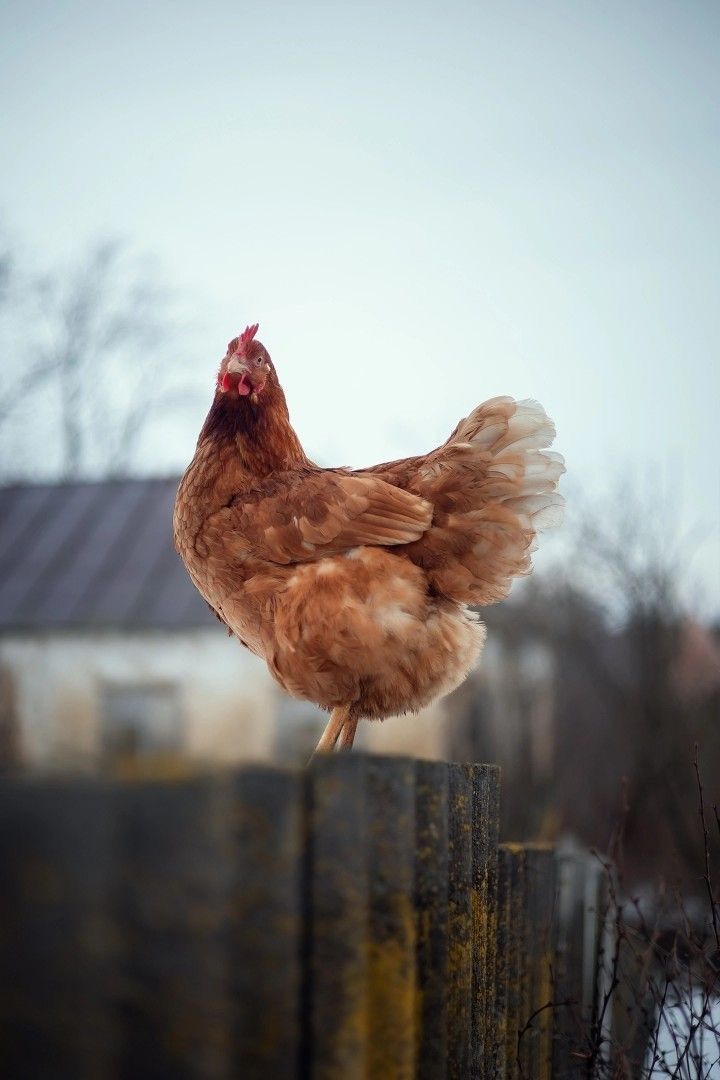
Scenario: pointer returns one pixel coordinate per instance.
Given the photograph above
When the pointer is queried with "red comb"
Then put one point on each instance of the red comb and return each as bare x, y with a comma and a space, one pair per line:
246, 337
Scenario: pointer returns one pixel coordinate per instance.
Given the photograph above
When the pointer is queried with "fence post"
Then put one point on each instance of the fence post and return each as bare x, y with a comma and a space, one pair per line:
526, 912
391, 958
335, 1006
539, 931
171, 903
580, 926
431, 897
485, 781
511, 960
264, 851
460, 957
56, 940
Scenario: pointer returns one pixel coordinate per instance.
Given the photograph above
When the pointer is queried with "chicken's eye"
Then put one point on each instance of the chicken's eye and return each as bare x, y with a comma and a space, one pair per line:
258, 361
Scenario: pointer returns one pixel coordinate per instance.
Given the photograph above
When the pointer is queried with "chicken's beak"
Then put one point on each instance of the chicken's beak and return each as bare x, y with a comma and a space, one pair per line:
237, 367
244, 385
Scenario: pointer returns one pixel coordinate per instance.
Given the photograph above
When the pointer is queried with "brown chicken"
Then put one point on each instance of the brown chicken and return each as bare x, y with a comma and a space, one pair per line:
354, 585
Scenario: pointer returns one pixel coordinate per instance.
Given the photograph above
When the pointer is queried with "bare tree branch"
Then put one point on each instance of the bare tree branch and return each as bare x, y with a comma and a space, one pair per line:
97, 331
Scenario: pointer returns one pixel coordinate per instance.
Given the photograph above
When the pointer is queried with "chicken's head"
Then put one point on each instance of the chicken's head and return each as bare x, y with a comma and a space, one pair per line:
246, 368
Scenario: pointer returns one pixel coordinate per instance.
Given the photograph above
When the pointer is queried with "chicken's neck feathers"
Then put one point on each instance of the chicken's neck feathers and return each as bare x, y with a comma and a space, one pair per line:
261, 436
239, 445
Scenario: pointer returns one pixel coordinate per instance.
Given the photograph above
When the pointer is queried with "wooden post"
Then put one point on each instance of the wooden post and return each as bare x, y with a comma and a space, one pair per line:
335, 1007
503, 962
56, 940
431, 903
512, 972
391, 924
580, 926
460, 957
171, 898
526, 937
485, 780
264, 853
493, 828
539, 940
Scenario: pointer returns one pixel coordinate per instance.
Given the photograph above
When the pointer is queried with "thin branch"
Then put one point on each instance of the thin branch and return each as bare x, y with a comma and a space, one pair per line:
706, 839
529, 1023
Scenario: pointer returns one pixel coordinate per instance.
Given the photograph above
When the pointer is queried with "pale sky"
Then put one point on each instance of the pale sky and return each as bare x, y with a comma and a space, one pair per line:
423, 205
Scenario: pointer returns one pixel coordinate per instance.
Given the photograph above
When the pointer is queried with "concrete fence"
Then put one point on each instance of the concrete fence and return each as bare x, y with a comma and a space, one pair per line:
356, 919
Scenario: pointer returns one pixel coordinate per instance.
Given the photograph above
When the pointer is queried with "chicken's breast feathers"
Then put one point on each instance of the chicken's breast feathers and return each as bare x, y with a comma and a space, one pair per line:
303, 515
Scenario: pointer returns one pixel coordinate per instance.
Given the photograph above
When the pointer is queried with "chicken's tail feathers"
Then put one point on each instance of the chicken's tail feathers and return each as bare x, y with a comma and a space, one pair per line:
494, 486
502, 422
521, 455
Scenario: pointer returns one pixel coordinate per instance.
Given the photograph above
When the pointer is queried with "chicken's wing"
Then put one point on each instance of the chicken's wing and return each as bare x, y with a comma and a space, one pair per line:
301, 516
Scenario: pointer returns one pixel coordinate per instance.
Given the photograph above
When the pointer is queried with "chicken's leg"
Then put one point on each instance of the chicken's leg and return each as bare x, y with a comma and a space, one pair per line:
334, 726
347, 735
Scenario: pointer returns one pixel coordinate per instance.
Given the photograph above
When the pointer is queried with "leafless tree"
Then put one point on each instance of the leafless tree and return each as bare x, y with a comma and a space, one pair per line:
101, 335
615, 618
15, 308
638, 563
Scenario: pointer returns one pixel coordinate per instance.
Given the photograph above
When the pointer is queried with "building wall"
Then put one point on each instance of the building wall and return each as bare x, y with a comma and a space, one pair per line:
227, 701
423, 735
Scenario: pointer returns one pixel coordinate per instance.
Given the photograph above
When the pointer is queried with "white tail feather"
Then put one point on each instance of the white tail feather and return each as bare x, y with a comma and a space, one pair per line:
520, 454
499, 483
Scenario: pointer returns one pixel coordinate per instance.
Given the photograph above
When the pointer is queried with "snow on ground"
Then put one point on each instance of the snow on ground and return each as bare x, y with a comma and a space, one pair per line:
695, 1019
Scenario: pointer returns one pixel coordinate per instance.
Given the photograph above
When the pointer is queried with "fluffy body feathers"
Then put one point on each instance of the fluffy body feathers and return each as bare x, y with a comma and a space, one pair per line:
355, 586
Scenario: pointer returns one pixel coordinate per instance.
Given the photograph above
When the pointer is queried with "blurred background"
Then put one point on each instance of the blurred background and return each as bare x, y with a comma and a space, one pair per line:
423, 205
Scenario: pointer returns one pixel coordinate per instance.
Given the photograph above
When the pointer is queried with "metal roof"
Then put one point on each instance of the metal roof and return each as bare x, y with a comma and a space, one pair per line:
83, 555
